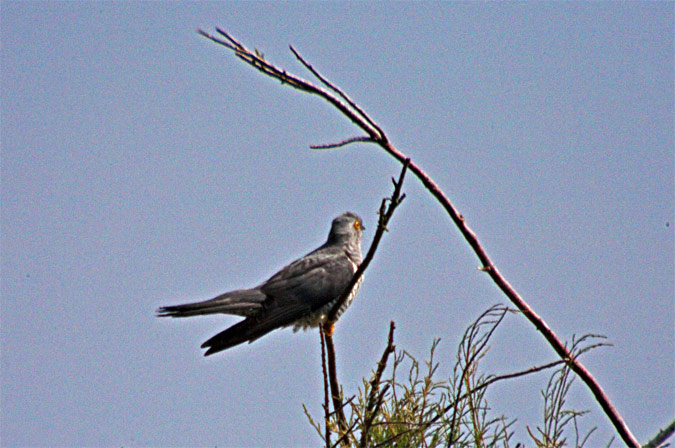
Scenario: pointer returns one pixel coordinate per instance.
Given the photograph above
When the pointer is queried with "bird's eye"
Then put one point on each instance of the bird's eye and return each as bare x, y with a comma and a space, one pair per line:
357, 225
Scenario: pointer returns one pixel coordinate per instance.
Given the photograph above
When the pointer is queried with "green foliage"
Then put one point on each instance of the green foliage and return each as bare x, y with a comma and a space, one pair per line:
412, 407
556, 415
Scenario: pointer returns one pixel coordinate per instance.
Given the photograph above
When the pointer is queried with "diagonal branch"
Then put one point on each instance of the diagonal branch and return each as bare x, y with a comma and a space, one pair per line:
343, 95
257, 61
357, 116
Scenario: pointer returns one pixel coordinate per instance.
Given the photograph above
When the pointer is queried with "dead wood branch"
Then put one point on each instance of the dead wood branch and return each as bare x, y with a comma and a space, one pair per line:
356, 115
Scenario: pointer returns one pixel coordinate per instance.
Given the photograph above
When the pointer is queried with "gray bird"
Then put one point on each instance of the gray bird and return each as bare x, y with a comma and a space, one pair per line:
301, 294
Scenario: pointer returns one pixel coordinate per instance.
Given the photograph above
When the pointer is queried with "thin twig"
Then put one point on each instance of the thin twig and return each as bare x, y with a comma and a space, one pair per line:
374, 398
357, 116
661, 437
507, 376
471, 348
342, 94
345, 142
326, 408
345, 403
344, 439
260, 64
479, 387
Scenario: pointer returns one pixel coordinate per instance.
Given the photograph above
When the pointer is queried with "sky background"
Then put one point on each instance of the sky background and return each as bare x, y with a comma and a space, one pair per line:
143, 165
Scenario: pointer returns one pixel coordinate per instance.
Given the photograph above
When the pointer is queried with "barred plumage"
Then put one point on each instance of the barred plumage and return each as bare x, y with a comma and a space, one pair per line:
318, 317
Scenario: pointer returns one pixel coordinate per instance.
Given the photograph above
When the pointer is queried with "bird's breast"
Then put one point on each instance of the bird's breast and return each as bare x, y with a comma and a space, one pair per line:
319, 316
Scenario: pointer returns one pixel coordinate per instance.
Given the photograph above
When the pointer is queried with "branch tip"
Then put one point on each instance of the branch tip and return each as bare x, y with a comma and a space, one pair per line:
345, 142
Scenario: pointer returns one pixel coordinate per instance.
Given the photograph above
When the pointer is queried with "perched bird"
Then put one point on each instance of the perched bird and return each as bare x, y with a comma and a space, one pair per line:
301, 294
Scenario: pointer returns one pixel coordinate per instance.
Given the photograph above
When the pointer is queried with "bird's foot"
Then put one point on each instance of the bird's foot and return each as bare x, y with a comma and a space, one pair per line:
328, 329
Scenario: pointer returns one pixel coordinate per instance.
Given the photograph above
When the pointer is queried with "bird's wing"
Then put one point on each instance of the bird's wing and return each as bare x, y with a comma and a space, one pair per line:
301, 288
313, 280
291, 294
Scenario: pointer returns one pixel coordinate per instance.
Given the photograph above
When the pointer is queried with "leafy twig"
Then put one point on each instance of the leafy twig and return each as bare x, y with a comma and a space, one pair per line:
662, 436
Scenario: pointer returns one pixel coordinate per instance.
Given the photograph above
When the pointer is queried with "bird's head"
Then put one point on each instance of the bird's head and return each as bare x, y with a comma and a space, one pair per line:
346, 228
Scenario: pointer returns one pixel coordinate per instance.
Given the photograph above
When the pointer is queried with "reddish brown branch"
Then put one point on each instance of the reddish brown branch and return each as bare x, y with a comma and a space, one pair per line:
376, 397
255, 60
357, 116
344, 142
342, 94
336, 394
326, 408
489, 267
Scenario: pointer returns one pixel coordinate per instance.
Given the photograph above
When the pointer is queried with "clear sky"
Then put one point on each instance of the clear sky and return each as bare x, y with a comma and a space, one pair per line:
143, 166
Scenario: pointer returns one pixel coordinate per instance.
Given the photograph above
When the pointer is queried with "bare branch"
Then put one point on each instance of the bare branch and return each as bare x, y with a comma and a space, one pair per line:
507, 376
326, 408
344, 143
357, 116
255, 60
386, 212
336, 394
339, 91
374, 399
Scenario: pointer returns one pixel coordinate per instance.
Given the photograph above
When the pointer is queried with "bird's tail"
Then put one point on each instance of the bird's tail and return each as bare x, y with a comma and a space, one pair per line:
244, 302
245, 331
254, 327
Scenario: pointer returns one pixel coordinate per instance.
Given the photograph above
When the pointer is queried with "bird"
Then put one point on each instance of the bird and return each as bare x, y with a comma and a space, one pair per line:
300, 295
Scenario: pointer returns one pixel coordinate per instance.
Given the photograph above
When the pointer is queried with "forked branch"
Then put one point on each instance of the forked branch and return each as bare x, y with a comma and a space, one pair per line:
387, 208
356, 115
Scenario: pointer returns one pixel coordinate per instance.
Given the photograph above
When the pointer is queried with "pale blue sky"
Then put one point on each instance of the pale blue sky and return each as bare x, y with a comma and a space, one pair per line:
143, 166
